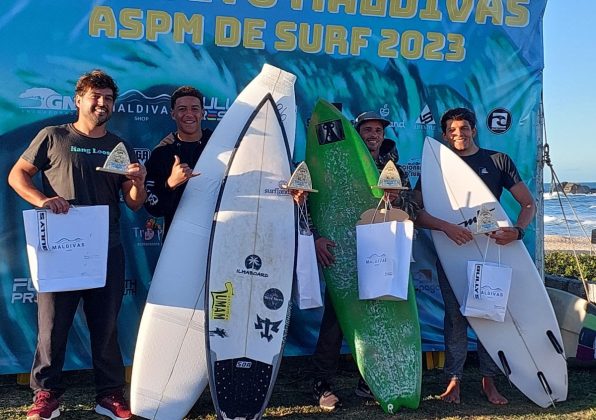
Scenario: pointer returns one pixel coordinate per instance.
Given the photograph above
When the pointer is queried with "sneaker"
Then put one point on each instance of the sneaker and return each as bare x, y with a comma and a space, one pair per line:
45, 407
363, 391
113, 406
322, 394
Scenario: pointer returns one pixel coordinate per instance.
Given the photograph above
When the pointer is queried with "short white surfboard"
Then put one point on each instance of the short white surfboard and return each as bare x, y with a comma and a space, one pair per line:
252, 258
527, 346
170, 370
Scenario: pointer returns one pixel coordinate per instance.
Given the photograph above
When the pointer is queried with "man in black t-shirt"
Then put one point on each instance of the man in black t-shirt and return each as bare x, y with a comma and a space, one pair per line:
172, 161
67, 156
498, 172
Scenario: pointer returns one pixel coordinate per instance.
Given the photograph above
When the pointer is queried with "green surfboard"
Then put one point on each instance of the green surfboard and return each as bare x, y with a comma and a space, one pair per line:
384, 336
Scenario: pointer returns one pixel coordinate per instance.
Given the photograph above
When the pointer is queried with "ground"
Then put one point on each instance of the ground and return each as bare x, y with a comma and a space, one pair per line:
292, 398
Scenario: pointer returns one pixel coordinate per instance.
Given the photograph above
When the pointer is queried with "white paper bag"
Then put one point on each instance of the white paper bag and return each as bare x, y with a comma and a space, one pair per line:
307, 287
488, 290
383, 253
67, 251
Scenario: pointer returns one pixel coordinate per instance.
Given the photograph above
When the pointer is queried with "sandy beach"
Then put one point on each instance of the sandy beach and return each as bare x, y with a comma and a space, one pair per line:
562, 243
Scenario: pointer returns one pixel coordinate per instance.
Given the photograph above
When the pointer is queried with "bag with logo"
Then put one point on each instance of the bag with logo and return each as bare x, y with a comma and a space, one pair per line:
383, 253
488, 289
67, 251
308, 288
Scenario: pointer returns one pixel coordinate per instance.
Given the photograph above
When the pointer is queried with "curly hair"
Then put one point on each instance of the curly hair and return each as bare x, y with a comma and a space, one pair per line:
96, 79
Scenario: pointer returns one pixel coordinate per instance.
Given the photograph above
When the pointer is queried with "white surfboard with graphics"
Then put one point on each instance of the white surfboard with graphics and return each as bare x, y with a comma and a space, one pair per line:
250, 271
527, 346
170, 371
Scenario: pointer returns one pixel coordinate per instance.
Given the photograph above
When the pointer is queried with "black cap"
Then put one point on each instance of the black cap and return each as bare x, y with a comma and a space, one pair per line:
369, 116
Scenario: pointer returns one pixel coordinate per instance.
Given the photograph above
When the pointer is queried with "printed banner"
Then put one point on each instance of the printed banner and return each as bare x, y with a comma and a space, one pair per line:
410, 60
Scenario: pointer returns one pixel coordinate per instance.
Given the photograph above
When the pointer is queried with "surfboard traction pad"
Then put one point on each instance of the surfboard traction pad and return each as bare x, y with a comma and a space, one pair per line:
384, 336
242, 386
586, 346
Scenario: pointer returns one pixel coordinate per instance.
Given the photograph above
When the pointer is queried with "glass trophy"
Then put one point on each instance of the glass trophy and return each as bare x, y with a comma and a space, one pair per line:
300, 179
117, 161
486, 221
389, 178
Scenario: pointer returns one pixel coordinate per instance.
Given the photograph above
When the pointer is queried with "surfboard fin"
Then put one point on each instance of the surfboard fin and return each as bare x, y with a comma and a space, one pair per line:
555, 343
505, 365
546, 387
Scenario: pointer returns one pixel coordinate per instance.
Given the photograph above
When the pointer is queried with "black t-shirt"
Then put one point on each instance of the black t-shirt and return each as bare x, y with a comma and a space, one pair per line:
161, 200
496, 170
67, 160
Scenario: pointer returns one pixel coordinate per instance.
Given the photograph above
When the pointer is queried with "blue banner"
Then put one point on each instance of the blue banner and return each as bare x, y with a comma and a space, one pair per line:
408, 59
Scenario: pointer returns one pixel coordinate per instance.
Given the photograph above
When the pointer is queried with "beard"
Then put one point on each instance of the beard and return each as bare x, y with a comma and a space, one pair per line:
101, 119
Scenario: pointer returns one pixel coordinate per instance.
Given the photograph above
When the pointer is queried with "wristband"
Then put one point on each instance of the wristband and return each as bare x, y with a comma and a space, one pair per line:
520, 233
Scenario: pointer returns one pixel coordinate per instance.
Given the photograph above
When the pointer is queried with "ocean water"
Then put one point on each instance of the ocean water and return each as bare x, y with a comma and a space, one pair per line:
559, 217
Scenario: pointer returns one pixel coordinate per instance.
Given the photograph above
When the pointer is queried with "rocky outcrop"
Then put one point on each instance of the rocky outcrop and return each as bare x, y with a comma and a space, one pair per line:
573, 188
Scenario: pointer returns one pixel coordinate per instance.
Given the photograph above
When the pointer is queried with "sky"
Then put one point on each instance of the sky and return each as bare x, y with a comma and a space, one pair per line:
570, 88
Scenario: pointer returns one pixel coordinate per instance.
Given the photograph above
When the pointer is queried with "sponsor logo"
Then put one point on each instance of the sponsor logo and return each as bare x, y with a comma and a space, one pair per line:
134, 102
423, 282
23, 291
499, 120
130, 287
473, 220
425, 119
65, 244
384, 112
42, 227
253, 264
215, 108
220, 332
221, 305
142, 155
150, 234
273, 299
330, 132
279, 190
267, 327
375, 259
243, 364
46, 99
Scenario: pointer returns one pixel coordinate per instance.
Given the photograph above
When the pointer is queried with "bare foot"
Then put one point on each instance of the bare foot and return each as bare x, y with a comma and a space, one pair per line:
451, 394
490, 391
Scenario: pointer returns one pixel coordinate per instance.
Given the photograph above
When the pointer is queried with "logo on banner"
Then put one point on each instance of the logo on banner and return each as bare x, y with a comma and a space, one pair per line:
130, 287
215, 108
384, 112
143, 107
412, 168
23, 291
499, 120
150, 234
253, 264
425, 119
221, 305
46, 99
142, 155
267, 327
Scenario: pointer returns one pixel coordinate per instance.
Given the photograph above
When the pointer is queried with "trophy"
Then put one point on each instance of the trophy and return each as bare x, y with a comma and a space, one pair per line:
300, 179
117, 161
485, 221
390, 179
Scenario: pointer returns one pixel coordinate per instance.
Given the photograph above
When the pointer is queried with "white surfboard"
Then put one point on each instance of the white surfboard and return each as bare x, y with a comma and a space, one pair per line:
571, 311
169, 370
527, 346
251, 266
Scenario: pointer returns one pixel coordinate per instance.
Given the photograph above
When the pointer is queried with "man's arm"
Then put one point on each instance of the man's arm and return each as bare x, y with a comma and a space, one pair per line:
458, 234
20, 179
133, 189
523, 196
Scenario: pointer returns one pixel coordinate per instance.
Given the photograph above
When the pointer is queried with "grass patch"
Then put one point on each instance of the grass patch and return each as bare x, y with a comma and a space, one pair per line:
561, 263
292, 399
